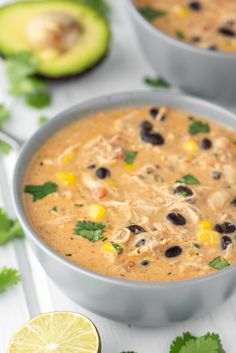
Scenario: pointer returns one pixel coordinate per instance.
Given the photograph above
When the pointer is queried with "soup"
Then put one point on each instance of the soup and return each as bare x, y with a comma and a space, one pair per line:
209, 24
146, 194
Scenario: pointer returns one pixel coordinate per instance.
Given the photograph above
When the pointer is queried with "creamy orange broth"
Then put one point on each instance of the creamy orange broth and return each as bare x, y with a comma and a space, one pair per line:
208, 24
181, 225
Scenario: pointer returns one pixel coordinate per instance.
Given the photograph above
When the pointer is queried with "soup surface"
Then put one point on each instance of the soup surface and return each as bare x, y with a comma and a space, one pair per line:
209, 24
143, 194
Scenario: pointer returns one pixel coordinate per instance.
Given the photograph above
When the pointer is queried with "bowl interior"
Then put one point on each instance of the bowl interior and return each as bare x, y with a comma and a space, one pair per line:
108, 103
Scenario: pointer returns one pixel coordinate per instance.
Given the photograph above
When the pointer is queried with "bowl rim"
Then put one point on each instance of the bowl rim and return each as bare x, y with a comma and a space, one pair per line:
181, 44
76, 109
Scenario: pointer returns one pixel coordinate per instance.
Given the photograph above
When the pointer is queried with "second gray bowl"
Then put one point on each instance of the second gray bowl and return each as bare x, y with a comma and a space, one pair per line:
201, 72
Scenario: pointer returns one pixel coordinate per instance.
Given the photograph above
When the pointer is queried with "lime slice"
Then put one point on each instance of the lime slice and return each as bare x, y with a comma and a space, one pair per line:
56, 332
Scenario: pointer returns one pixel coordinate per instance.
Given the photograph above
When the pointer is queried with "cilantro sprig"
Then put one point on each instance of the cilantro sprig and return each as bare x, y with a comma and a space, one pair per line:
21, 69
90, 230
129, 156
197, 127
156, 82
8, 277
150, 13
188, 179
4, 117
40, 191
9, 229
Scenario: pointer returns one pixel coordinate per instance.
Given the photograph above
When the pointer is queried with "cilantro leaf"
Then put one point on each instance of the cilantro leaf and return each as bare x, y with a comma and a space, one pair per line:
118, 248
42, 120
90, 230
5, 148
188, 179
205, 344
219, 263
41, 191
197, 127
180, 35
9, 229
156, 82
21, 69
180, 341
8, 278
99, 5
150, 13
39, 100
129, 156
4, 115
216, 337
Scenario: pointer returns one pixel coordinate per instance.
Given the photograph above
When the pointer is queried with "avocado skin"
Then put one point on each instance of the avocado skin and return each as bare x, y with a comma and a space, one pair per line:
70, 77
74, 75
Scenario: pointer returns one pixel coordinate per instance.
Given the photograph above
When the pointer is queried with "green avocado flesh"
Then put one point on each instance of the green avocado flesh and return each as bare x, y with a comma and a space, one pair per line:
66, 36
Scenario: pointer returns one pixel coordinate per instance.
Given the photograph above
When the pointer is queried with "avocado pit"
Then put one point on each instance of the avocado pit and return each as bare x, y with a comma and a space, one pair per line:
56, 31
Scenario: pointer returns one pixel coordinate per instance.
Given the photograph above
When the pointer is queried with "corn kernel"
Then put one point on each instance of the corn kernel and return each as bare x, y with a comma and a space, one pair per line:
181, 11
96, 212
191, 146
130, 166
209, 236
68, 158
109, 182
66, 178
205, 224
109, 249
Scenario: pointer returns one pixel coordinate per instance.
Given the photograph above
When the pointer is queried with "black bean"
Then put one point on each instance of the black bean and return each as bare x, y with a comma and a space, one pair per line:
233, 202
212, 47
196, 39
225, 228
91, 166
206, 143
102, 173
154, 112
195, 5
153, 138
173, 251
227, 32
183, 190
216, 175
146, 126
136, 229
144, 263
176, 218
225, 242
140, 243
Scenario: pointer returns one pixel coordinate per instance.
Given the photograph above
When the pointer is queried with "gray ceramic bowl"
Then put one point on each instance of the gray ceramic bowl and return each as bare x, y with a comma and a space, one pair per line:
201, 72
138, 303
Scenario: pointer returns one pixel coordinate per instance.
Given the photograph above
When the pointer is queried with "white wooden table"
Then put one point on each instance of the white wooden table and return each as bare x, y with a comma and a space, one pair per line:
123, 70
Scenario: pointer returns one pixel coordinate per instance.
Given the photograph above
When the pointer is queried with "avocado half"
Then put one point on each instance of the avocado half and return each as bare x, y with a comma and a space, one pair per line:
66, 36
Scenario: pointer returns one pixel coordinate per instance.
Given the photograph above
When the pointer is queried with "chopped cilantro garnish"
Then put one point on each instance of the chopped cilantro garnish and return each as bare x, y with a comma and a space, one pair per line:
39, 100
197, 127
20, 70
118, 248
188, 179
9, 229
156, 82
210, 343
54, 209
150, 13
40, 191
180, 35
42, 120
219, 263
90, 230
8, 278
129, 156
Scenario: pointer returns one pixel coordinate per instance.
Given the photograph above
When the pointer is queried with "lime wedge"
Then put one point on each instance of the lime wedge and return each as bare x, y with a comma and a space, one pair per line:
57, 332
